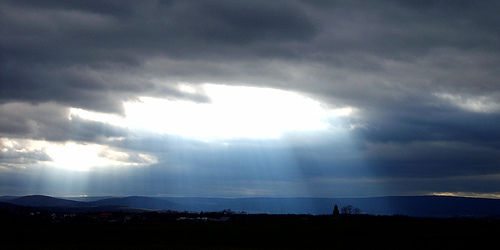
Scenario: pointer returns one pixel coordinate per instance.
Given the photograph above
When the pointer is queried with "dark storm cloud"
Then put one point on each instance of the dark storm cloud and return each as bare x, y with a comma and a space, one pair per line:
98, 53
433, 125
401, 29
77, 53
421, 75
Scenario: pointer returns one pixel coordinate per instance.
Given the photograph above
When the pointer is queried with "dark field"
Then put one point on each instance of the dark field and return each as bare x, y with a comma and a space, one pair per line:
272, 232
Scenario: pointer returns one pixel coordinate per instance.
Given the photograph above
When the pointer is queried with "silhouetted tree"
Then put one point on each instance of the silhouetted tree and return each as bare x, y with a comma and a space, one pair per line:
356, 211
349, 209
227, 211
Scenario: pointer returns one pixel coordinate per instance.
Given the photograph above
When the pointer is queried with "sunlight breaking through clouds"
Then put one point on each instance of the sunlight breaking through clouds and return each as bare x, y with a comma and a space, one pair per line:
85, 157
69, 155
214, 99
243, 112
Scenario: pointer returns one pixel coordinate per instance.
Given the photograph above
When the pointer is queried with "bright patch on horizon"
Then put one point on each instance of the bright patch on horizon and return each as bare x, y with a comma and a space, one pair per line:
468, 194
233, 112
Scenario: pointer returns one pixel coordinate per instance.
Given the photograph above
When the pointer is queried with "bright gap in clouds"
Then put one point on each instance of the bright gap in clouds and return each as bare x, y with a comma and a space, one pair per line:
246, 112
85, 157
233, 112
70, 155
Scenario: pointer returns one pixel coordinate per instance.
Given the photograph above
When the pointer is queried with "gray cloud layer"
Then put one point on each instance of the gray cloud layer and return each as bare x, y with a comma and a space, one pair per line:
422, 74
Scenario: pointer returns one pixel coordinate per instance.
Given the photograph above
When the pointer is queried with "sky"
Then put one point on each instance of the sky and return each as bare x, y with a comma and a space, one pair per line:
250, 98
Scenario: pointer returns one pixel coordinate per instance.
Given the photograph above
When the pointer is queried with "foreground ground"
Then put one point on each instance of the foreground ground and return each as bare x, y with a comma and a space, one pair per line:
271, 232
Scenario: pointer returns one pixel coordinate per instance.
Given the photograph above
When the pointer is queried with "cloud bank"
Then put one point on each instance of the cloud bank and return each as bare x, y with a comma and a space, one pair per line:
421, 78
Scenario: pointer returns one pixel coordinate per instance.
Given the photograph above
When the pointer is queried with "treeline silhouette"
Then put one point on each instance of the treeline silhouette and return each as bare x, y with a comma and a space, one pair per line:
27, 214
30, 215
28, 228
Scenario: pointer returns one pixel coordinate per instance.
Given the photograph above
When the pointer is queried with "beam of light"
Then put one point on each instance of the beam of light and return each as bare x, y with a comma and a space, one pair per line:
206, 142
241, 168
262, 125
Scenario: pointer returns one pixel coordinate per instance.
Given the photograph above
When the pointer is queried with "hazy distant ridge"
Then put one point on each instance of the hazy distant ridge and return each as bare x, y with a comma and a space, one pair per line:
139, 202
45, 201
435, 206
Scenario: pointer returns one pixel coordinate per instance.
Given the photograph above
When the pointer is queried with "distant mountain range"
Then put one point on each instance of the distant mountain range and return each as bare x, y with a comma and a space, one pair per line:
421, 206
44, 201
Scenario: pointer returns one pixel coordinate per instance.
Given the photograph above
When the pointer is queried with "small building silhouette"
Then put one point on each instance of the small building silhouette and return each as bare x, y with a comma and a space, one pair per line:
336, 212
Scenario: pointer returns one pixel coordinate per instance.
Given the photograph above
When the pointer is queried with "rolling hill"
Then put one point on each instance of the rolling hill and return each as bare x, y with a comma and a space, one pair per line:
44, 201
420, 206
139, 202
